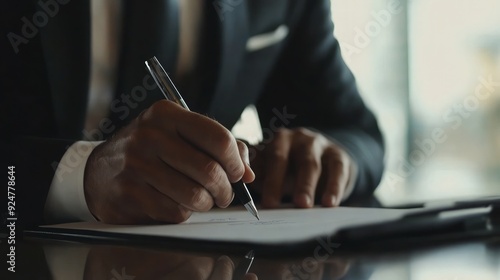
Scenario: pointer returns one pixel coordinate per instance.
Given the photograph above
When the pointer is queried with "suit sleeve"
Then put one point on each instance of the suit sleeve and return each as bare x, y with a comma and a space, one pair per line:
31, 139
312, 82
35, 160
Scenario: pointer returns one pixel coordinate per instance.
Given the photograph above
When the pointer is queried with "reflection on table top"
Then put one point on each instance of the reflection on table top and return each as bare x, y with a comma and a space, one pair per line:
39, 259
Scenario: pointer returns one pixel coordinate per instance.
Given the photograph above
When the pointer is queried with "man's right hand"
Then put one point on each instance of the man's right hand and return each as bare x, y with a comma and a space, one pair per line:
163, 166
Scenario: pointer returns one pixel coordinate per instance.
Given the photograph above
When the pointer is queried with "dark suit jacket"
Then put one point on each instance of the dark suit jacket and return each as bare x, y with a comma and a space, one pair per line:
46, 83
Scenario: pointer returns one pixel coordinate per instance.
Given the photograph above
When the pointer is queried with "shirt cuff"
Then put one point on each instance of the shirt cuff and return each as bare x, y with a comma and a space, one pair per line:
66, 199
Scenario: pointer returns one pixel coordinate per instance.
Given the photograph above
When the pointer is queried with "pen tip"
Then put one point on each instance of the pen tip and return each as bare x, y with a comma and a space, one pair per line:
250, 206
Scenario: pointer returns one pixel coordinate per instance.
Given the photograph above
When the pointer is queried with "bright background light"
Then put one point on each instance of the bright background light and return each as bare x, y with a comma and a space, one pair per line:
416, 68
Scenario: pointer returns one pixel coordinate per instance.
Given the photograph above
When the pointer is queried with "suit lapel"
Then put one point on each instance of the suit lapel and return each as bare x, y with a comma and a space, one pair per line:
234, 33
66, 40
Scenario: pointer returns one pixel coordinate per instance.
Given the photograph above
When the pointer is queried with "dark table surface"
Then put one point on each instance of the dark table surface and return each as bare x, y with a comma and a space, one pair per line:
49, 259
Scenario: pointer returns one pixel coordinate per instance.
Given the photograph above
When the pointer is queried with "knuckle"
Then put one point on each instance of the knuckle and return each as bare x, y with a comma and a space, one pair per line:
150, 112
225, 141
344, 156
280, 133
312, 162
242, 147
226, 264
332, 150
306, 136
226, 200
235, 170
304, 131
233, 164
282, 130
179, 215
278, 155
159, 106
199, 199
337, 154
156, 110
338, 163
214, 175
222, 135
145, 115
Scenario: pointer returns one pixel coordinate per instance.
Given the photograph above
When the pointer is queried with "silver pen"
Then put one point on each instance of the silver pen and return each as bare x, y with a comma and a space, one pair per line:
171, 93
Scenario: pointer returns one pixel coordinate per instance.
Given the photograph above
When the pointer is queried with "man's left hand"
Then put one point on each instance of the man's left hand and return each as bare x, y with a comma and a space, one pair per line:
303, 164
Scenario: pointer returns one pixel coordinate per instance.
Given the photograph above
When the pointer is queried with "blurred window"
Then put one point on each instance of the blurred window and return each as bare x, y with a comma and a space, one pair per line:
430, 70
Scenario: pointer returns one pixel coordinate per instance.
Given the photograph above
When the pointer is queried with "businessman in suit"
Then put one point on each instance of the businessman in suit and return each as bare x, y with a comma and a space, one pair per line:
92, 138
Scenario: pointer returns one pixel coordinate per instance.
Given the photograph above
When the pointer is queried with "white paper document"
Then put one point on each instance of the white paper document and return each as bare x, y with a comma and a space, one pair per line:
237, 225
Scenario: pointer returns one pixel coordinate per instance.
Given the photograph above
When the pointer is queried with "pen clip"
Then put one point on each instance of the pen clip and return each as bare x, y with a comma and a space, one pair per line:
162, 79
